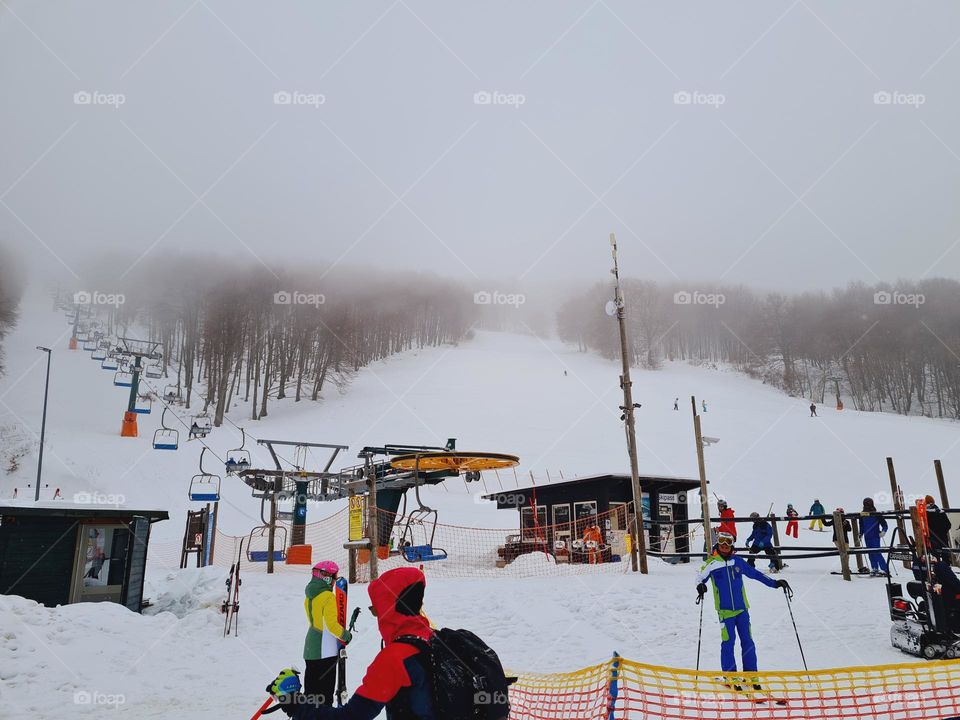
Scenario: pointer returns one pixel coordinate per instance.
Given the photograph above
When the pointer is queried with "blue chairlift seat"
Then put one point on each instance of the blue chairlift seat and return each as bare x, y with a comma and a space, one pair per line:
153, 372
164, 439
423, 553
205, 488
280, 544
122, 378
143, 405
109, 363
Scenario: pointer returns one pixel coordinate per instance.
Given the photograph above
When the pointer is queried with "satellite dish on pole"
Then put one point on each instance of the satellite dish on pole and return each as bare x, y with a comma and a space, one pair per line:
611, 308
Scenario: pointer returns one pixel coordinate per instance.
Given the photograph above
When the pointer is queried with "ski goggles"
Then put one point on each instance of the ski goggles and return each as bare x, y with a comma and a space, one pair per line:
725, 541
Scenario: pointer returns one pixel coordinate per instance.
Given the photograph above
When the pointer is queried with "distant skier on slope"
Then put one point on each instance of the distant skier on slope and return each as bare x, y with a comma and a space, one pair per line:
726, 570
817, 509
320, 649
813, 410
872, 527
592, 540
761, 540
676, 403
793, 527
703, 404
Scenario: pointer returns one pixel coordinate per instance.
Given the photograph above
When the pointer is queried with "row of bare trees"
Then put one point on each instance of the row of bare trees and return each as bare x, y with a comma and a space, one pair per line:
881, 347
244, 334
11, 288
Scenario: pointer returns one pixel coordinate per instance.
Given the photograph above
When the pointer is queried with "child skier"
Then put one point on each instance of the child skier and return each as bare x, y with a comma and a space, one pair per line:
872, 527
727, 514
321, 648
761, 539
793, 527
817, 509
726, 570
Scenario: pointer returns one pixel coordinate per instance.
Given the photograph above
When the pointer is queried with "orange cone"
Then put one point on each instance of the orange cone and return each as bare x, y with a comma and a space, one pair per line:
73, 343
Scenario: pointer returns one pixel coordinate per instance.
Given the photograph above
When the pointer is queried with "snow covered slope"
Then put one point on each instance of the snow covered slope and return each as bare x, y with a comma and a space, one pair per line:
497, 392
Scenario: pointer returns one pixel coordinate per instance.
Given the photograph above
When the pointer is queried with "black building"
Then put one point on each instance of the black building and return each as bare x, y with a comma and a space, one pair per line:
58, 553
564, 511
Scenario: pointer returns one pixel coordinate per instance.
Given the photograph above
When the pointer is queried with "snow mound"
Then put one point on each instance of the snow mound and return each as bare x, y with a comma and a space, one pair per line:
182, 592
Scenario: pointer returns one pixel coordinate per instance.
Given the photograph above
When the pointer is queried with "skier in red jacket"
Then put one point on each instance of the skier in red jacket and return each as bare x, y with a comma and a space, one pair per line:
727, 525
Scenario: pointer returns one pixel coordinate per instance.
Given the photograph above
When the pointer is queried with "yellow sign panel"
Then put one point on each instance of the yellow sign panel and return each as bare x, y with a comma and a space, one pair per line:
358, 506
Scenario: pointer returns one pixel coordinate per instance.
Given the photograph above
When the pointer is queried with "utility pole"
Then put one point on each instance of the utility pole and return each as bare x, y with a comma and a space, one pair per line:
43, 422
701, 465
638, 555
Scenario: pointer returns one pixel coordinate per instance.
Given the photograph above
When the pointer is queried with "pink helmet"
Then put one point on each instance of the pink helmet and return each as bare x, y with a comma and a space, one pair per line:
328, 567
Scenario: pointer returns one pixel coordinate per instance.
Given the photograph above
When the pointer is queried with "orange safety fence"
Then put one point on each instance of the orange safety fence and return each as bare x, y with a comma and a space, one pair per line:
537, 550
624, 689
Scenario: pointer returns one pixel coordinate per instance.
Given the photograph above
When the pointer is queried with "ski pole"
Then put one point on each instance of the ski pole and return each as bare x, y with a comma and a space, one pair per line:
787, 594
258, 713
700, 631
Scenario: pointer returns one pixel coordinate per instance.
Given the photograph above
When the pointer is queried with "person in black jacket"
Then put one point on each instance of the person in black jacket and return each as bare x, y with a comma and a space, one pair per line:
828, 521
939, 525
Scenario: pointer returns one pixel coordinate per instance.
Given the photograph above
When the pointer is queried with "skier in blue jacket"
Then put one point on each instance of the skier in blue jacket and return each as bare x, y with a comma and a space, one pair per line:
872, 527
761, 539
726, 570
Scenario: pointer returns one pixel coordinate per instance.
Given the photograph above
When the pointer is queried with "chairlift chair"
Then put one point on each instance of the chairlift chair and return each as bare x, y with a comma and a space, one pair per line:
171, 394
110, 362
99, 354
143, 404
416, 527
200, 426
204, 487
89, 344
123, 378
238, 460
261, 535
153, 371
166, 438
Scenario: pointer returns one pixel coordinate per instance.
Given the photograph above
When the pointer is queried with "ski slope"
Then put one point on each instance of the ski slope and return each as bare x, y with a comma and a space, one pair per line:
497, 392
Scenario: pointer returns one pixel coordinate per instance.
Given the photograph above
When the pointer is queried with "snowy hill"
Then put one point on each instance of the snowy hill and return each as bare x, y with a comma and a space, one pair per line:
497, 392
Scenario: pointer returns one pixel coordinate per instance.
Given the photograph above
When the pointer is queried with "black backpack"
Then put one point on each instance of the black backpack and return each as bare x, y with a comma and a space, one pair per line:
468, 679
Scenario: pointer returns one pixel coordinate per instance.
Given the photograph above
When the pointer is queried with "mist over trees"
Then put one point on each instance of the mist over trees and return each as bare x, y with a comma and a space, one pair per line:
880, 347
231, 333
11, 288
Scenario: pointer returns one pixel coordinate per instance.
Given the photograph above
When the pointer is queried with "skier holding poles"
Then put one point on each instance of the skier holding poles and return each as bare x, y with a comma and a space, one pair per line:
726, 570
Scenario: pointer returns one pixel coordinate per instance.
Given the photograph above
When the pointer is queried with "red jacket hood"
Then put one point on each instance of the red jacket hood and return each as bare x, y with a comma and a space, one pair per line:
384, 592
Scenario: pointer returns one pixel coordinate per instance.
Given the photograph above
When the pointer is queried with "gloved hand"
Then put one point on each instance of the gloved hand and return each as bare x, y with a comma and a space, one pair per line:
346, 637
785, 586
701, 591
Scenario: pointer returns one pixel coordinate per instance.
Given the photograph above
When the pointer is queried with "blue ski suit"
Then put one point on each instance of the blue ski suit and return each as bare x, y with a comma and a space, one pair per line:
871, 527
730, 599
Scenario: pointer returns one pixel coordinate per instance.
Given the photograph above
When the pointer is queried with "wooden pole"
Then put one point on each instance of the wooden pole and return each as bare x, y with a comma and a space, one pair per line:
373, 517
841, 541
944, 501
855, 528
638, 556
702, 467
897, 505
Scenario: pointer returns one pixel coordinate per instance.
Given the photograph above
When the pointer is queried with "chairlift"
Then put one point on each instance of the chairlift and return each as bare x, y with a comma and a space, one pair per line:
204, 487
416, 526
89, 344
166, 438
285, 507
238, 460
123, 378
200, 426
261, 536
99, 354
82, 334
143, 404
110, 362
153, 371
171, 394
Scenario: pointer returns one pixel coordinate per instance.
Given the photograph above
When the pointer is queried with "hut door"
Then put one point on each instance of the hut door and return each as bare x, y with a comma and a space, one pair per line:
100, 563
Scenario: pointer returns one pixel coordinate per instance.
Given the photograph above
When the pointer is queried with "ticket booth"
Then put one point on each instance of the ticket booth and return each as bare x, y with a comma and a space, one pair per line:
61, 553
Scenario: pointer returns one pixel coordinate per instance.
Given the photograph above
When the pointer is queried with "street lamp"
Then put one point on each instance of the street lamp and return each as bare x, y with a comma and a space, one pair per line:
43, 422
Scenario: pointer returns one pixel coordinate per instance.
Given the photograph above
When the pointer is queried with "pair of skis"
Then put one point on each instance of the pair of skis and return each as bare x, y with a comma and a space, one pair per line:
753, 694
340, 594
231, 605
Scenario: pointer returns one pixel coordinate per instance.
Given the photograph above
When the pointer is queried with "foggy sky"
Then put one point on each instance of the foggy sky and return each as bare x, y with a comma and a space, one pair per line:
800, 179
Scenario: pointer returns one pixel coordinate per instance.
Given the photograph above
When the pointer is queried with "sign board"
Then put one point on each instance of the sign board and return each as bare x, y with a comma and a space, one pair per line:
671, 498
358, 507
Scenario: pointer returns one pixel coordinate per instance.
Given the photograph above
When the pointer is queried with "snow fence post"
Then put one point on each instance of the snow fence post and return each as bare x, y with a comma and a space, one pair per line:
614, 687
